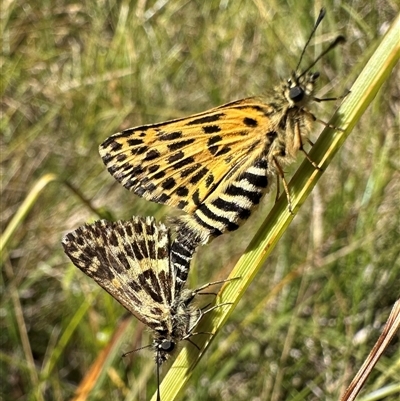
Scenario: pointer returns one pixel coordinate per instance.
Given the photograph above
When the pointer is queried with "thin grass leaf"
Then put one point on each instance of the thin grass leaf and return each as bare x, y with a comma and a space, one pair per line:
23, 211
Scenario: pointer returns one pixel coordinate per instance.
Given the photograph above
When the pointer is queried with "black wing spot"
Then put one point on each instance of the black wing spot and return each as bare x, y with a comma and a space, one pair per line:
224, 150
213, 140
163, 198
211, 129
153, 168
179, 145
170, 136
250, 122
183, 163
113, 238
196, 197
159, 175
135, 142
207, 119
175, 157
169, 183
182, 191
137, 251
139, 150
213, 149
121, 157
199, 175
209, 180
151, 155
135, 286
150, 229
182, 204
187, 171
124, 261
113, 144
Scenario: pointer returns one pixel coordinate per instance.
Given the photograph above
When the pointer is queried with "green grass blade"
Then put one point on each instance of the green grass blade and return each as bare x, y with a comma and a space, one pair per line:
31, 199
23, 211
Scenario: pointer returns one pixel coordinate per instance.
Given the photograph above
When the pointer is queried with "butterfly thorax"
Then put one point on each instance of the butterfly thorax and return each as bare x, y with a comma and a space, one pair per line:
184, 315
182, 319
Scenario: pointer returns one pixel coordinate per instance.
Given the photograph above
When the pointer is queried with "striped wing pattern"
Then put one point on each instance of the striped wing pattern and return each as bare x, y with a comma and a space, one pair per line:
181, 162
131, 261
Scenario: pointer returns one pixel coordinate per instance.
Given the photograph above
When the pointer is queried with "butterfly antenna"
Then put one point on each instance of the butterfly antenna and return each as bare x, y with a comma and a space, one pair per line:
135, 350
339, 40
158, 377
317, 22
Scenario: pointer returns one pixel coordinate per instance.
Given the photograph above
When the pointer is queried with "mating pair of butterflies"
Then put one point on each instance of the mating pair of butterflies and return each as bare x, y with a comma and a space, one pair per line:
215, 166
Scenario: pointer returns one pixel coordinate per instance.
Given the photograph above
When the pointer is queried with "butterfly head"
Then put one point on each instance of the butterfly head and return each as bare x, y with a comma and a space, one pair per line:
163, 348
299, 89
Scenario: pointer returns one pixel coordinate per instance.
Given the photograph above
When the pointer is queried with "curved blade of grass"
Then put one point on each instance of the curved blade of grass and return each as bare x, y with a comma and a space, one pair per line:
23, 210
363, 91
391, 328
31, 200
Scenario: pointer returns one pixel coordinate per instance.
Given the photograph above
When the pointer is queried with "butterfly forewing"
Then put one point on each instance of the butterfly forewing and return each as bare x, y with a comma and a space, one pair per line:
131, 261
189, 162
214, 165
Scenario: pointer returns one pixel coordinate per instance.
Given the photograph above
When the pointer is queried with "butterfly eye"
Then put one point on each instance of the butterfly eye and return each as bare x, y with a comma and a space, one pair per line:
167, 346
296, 94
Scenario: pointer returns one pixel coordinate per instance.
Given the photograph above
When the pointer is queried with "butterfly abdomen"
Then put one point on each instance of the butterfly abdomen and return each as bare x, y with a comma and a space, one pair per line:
181, 255
224, 211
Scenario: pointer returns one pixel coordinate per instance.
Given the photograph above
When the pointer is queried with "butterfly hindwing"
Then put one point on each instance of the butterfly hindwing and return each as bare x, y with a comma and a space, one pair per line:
131, 261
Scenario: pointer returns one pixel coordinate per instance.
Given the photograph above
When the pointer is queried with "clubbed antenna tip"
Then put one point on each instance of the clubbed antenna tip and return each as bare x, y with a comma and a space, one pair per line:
339, 40
317, 22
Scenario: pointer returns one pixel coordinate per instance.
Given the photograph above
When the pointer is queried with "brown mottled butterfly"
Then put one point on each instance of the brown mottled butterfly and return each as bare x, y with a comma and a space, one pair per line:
131, 261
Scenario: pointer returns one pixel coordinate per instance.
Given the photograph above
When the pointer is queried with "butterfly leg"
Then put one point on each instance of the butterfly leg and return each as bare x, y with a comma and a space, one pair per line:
315, 165
312, 116
284, 182
311, 143
192, 342
278, 189
331, 99
201, 314
299, 140
203, 287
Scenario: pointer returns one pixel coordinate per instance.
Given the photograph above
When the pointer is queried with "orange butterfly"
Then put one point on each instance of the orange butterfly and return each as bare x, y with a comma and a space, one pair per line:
216, 165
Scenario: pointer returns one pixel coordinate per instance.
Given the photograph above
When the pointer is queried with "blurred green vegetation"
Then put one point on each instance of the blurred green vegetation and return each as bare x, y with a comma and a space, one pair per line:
74, 73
